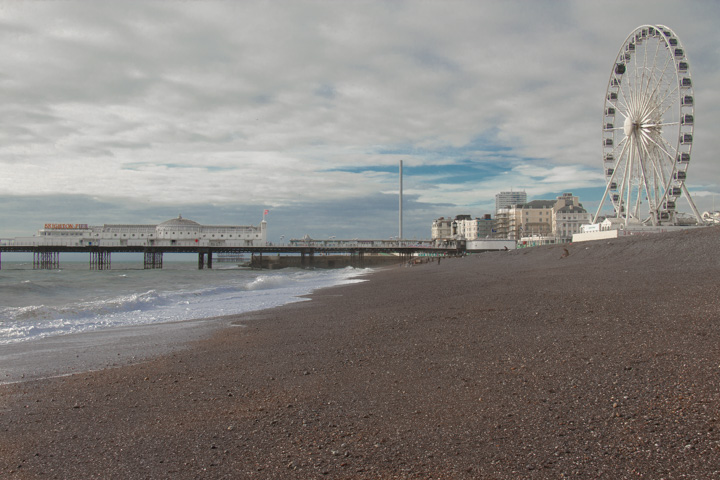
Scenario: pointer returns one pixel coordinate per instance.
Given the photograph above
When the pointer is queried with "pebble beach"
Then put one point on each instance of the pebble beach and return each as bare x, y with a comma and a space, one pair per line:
603, 363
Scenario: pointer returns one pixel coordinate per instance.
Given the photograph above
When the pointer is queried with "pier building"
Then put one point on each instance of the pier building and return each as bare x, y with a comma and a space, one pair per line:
174, 232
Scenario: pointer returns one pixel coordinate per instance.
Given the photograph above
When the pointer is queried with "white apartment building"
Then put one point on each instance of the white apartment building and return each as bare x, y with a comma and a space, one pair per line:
442, 229
474, 228
462, 227
568, 220
508, 199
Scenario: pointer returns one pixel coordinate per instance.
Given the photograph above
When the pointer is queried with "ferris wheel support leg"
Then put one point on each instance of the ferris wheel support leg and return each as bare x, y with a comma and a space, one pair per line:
692, 204
602, 202
653, 207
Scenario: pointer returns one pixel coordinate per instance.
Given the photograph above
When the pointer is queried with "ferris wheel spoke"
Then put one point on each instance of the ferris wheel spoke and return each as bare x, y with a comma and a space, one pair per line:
640, 71
621, 164
674, 91
623, 106
620, 146
656, 193
654, 65
648, 102
650, 95
641, 168
659, 82
663, 170
667, 154
645, 145
623, 147
645, 69
655, 164
669, 151
628, 177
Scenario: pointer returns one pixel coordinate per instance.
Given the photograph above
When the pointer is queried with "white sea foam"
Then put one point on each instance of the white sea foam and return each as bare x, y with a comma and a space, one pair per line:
36, 304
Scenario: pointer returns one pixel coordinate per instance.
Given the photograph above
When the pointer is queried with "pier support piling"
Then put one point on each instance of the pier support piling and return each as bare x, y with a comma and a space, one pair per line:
307, 261
201, 259
46, 260
256, 261
100, 260
153, 260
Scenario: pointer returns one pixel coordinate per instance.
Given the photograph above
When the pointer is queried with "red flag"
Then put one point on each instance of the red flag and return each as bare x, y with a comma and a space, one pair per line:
266, 212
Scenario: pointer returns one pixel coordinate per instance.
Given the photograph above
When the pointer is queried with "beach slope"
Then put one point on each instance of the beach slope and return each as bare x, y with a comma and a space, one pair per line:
521, 364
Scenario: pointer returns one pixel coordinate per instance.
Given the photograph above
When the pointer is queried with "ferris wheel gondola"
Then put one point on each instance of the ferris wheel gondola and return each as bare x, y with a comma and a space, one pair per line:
647, 128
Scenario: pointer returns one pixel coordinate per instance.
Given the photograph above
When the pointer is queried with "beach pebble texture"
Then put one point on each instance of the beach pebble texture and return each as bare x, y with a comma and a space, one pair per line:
600, 363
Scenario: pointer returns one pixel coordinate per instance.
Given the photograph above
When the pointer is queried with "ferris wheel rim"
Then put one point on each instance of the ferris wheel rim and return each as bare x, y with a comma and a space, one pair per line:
651, 99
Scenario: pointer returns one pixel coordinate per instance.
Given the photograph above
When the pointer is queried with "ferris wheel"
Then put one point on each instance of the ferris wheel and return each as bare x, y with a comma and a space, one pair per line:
647, 128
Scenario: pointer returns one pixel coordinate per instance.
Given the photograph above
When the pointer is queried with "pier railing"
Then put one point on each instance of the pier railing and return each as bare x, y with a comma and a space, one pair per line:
46, 253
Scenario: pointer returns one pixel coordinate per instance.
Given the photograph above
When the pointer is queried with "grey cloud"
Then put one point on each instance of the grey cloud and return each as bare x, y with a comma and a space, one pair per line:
305, 86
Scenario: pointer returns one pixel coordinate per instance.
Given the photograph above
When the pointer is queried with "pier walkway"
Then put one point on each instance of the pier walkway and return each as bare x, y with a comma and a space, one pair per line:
47, 256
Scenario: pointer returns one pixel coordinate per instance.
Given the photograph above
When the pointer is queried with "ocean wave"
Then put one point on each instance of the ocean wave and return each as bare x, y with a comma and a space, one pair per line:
174, 297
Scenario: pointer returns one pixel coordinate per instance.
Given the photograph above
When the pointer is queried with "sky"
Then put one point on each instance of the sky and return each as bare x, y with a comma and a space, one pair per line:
135, 112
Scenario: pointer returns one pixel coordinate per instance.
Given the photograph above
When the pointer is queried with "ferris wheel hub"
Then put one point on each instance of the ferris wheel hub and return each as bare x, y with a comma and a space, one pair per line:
630, 126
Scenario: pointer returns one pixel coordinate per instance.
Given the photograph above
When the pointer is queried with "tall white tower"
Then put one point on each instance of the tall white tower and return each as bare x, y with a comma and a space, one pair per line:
401, 193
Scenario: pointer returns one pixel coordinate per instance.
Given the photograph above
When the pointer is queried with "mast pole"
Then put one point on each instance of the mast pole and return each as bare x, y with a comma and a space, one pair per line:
400, 233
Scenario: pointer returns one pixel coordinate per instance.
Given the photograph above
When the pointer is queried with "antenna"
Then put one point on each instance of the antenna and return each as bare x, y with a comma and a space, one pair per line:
401, 193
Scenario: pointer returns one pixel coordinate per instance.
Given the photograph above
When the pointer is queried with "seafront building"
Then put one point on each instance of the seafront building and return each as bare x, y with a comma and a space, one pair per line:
442, 229
569, 219
542, 221
174, 232
507, 199
531, 219
462, 227
522, 220
472, 229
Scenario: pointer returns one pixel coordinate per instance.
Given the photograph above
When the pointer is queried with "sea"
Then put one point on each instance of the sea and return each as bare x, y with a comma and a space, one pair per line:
72, 299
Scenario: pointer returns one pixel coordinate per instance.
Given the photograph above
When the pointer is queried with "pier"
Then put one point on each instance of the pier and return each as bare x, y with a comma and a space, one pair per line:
47, 256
